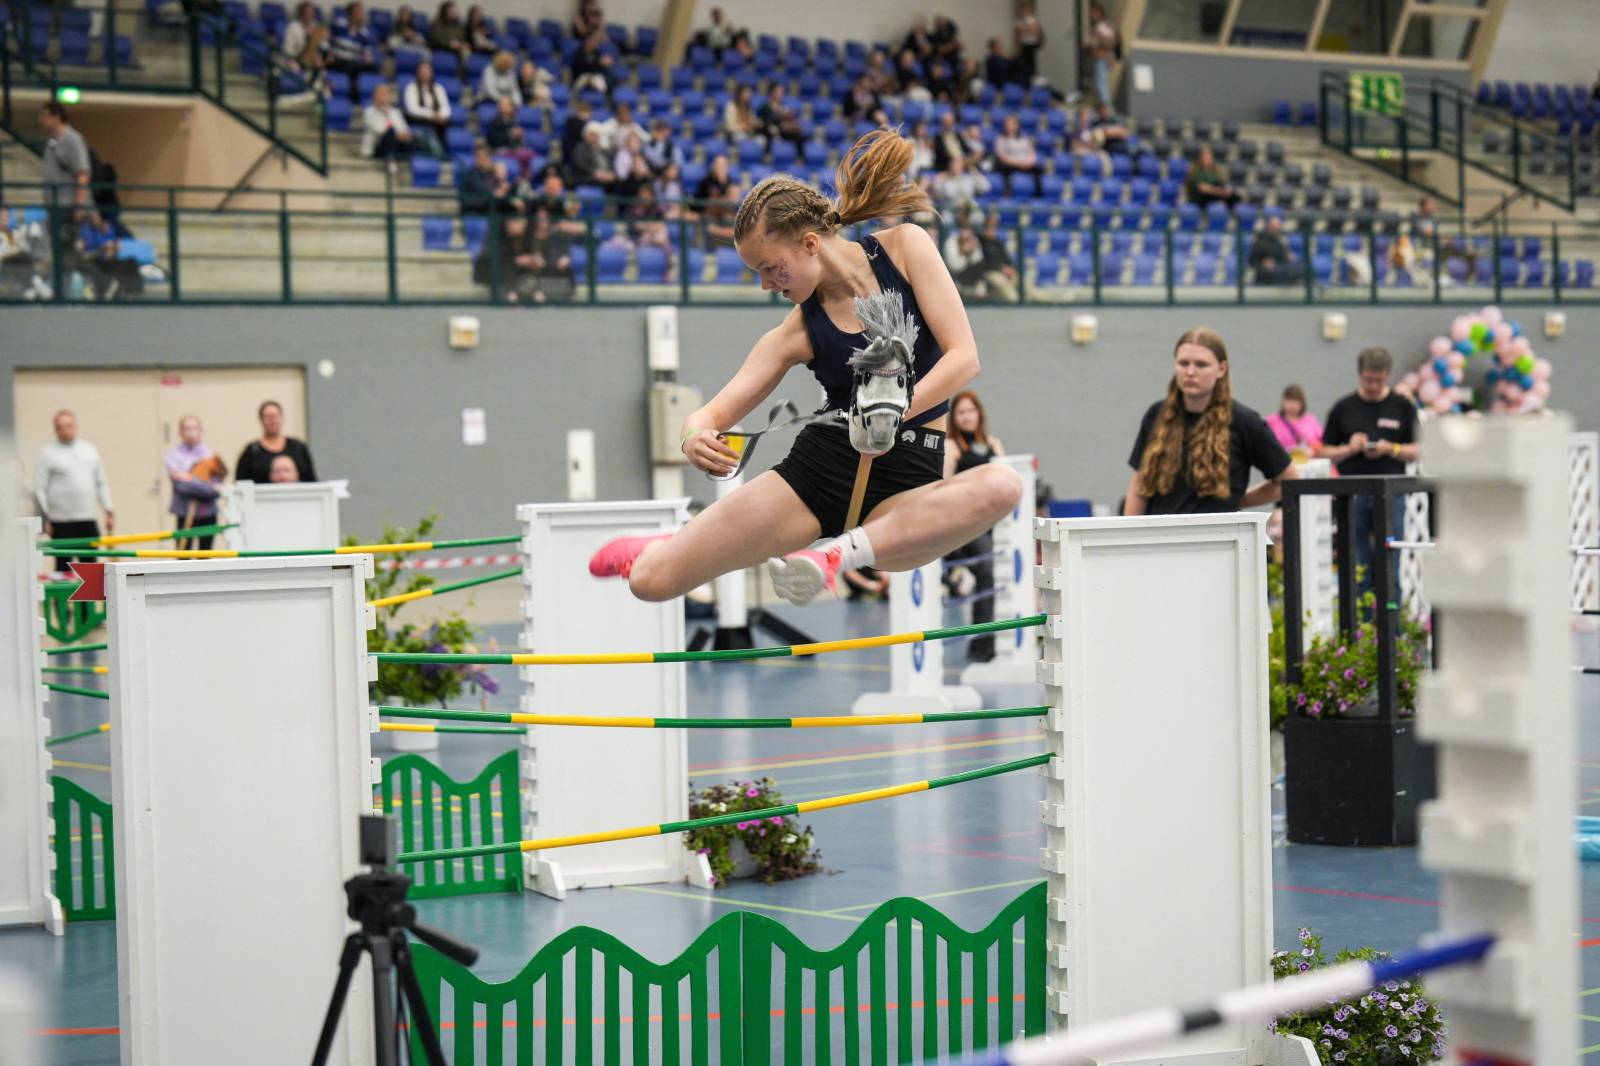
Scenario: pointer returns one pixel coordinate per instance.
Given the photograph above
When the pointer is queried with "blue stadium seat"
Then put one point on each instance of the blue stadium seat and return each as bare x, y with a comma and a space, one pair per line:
1047, 268
610, 264
475, 228
730, 269
1583, 274
1205, 269
652, 261
424, 172
1189, 216
784, 153
74, 48
644, 40
1111, 269
338, 113
438, 233
1144, 269
1080, 269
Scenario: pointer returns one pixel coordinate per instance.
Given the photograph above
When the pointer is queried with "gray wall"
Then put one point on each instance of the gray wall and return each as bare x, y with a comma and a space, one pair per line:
1221, 85
389, 418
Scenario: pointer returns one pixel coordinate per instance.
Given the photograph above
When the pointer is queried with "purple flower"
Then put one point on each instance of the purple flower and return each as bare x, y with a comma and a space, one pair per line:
1349, 673
1390, 1031
1307, 952
1342, 650
752, 792
1343, 706
1301, 701
1304, 934
1316, 710
776, 820
1304, 966
1361, 683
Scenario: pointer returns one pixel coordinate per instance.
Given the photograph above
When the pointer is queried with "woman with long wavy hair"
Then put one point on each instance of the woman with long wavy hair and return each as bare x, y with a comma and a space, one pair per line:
1196, 447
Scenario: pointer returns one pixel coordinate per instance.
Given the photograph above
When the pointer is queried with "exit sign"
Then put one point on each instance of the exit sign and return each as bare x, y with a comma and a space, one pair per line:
1376, 91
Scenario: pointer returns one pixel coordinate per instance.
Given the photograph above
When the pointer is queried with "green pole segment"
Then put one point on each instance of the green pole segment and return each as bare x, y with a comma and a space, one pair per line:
63, 738
785, 811
509, 659
177, 534
68, 669
447, 715
73, 690
437, 545
457, 586
74, 649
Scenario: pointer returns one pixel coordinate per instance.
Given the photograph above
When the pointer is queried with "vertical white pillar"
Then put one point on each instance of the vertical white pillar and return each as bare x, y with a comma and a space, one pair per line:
1318, 589
27, 892
587, 779
283, 517
240, 767
1583, 517
916, 671
1502, 714
1014, 652
1155, 670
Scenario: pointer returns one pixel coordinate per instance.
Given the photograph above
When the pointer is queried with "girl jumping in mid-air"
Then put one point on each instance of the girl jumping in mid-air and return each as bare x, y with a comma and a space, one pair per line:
909, 513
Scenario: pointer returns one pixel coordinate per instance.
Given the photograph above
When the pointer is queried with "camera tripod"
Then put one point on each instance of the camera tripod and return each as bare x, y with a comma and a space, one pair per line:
377, 900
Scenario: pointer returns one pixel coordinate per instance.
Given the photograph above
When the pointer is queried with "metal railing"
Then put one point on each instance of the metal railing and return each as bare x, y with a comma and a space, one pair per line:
228, 63
416, 246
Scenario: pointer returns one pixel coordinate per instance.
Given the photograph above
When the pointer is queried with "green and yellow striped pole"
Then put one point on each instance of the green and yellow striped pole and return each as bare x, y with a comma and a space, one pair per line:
136, 538
419, 727
639, 722
75, 669
787, 810
618, 658
75, 649
103, 727
434, 590
342, 549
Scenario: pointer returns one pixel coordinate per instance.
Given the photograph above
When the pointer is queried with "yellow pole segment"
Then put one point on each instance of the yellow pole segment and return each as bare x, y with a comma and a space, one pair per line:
854, 643
606, 659
380, 549
405, 727
592, 838
861, 797
197, 553
839, 721
404, 597
612, 722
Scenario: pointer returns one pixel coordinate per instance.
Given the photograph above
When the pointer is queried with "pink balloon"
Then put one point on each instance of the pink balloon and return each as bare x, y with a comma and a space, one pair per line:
1541, 389
1409, 382
1428, 391
1439, 346
1542, 370
1502, 333
1492, 316
1520, 347
1456, 360
1461, 328
1443, 404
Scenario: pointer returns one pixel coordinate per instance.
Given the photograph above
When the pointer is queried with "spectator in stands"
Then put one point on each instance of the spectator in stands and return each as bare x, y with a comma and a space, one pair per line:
615, 131
353, 48
255, 462
196, 473
941, 79
499, 81
945, 40
862, 100
590, 164
589, 21
69, 480
23, 247
630, 166
714, 201
959, 188
1104, 46
1270, 257
647, 221
669, 185
553, 263
506, 137
552, 195
1297, 429
283, 471
591, 65
404, 32
970, 444
1000, 273
1014, 151
314, 60
578, 119
660, 151
476, 32
1000, 69
1029, 37
739, 118
385, 134
66, 166
879, 73
923, 156
533, 84
723, 36
949, 144
908, 70
513, 255
1372, 431
1207, 184
100, 259
427, 109
297, 34
977, 147
963, 254
918, 42
1111, 130
447, 33
483, 188
778, 119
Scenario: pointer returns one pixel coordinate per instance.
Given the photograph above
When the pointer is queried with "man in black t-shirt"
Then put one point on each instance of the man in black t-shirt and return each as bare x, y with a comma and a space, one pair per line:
1372, 432
1251, 444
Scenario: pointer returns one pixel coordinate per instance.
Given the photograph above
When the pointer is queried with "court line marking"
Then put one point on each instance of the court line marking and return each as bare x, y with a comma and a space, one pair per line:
944, 895
746, 768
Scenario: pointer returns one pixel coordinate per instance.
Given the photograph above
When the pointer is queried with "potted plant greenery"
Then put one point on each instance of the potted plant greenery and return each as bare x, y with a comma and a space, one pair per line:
425, 685
774, 848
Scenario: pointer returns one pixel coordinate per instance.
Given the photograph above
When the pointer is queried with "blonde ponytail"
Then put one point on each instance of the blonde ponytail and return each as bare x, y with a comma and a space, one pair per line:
871, 179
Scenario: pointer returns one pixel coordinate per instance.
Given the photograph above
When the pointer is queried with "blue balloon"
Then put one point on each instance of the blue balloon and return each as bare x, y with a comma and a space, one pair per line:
1492, 376
1527, 381
1465, 347
1440, 365
1447, 379
1516, 328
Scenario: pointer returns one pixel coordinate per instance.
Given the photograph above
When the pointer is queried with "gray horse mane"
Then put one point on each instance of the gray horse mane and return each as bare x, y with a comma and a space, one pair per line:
885, 319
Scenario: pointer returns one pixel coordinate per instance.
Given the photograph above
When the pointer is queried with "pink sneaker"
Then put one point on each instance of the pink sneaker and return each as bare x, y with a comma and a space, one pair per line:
617, 556
800, 577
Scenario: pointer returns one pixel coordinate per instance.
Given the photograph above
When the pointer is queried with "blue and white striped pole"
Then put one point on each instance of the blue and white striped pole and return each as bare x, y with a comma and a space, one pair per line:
1259, 1004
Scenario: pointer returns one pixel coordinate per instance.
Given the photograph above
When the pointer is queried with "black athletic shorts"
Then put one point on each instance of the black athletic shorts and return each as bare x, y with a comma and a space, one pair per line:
821, 468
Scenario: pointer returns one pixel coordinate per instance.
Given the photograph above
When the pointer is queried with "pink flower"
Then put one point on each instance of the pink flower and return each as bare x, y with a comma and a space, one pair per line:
752, 792
776, 820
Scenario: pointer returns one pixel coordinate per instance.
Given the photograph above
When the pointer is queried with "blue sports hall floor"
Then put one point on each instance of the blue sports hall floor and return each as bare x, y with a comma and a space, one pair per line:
968, 850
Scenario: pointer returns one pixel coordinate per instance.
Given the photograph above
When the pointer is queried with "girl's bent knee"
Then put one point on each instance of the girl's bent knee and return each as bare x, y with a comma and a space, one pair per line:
651, 583
1003, 488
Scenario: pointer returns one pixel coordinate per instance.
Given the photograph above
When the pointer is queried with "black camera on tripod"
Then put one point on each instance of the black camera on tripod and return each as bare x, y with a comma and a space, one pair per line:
377, 902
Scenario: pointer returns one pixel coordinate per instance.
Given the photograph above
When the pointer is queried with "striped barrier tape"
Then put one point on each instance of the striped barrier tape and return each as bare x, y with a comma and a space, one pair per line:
455, 562
1089, 1042
342, 549
634, 657
434, 590
663, 828
641, 722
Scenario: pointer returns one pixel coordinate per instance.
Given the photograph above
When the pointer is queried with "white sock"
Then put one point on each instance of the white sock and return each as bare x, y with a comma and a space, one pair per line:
855, 550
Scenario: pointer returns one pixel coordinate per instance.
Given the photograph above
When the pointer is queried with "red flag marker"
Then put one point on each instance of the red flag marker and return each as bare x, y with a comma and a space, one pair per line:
93, 576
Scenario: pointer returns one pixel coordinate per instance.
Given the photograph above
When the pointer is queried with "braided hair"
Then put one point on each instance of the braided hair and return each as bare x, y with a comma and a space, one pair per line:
871, 179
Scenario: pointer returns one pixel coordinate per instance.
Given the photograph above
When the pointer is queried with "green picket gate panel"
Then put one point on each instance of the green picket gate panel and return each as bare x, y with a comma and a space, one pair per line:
67, 622
908, 985
436, 811
496, 1024
85, 874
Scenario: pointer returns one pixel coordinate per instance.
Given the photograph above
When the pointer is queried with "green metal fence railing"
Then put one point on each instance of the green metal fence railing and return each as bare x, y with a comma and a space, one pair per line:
435, 811
83, 843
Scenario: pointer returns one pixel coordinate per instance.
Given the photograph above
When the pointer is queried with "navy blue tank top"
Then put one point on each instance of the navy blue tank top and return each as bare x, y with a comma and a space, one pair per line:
831, 346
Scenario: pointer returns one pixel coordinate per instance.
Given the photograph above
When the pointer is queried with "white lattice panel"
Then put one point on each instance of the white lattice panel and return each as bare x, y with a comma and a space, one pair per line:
1418, 529
1583, 517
